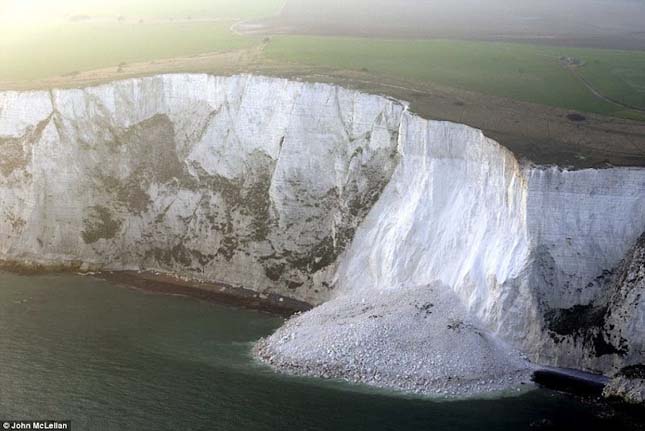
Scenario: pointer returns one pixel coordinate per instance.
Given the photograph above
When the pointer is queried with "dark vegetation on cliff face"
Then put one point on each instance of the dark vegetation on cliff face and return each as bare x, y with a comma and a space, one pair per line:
101, 224
579, 318
633, 371
17, 151
582, 323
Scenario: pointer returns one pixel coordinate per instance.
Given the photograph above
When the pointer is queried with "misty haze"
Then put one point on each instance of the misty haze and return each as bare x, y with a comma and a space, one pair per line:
322, 215
603, 24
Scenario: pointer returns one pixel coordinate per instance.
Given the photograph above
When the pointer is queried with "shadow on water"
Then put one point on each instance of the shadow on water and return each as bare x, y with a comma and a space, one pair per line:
114, 358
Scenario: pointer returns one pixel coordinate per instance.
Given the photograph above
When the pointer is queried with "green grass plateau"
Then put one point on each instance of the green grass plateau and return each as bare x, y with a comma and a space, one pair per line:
520, 71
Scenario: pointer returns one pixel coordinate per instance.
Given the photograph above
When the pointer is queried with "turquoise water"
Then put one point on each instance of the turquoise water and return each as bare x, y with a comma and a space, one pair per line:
112, 358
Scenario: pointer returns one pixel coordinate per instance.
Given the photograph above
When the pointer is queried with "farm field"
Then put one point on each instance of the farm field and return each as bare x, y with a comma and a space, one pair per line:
524, 72
616, 74
40, 38
94, 35
71, 48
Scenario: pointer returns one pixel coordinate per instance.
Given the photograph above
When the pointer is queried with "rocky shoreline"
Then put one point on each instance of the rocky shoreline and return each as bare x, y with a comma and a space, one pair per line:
219, 293
156, 282
628, 386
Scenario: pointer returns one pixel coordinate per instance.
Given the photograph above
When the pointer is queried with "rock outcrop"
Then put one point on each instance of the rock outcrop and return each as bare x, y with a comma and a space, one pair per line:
628, 386
623, 325
321, 193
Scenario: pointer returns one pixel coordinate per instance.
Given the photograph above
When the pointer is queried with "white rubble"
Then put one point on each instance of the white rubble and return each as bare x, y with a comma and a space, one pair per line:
421, 340
631, 391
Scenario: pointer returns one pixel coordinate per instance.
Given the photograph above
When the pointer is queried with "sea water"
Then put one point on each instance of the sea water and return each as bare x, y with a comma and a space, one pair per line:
108, 357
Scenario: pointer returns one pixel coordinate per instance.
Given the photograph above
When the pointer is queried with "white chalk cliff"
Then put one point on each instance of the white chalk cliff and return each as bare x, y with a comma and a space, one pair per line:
322, 193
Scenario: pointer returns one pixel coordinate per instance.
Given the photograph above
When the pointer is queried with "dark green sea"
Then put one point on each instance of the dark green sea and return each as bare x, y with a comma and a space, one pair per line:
113, 358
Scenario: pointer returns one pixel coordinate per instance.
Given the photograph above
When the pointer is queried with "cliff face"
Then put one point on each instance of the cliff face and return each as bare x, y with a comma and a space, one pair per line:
521, 246
529, 252
317, 192
248, 181
581, 292
624, 306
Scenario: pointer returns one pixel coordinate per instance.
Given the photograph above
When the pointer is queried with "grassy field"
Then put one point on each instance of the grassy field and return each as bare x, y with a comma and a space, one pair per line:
524, 72
93, 34
41, 38
68, 48
617, 74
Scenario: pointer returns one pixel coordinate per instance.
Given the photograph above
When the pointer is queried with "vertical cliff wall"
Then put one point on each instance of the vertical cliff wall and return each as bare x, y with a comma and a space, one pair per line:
244, 180
455, 212
583, 223
521, 246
